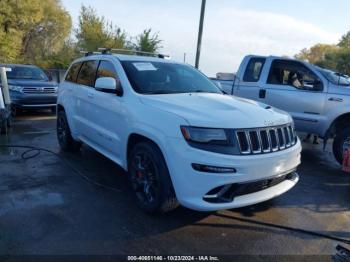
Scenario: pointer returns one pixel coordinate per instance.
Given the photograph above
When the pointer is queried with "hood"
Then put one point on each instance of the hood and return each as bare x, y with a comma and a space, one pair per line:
31, 83
218, 111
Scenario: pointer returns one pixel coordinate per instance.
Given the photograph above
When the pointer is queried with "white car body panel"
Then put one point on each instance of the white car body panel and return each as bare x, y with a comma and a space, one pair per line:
105, 122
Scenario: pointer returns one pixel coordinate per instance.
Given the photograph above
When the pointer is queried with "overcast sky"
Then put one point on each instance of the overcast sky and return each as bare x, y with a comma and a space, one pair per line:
232, 29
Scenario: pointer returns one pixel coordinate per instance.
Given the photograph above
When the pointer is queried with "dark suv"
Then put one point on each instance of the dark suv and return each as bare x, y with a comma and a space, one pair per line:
30, 87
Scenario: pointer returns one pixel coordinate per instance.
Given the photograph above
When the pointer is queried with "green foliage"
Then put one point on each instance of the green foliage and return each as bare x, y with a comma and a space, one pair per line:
148, 42
338, 61
334, 57
38, 32
316, 53
94, 32
30, 30
345, 41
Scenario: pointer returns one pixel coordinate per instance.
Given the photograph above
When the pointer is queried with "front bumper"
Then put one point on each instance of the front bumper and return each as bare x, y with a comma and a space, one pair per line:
22, 100
192, 186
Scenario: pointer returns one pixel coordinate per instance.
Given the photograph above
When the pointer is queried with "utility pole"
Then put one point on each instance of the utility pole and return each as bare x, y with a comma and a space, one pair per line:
200, 32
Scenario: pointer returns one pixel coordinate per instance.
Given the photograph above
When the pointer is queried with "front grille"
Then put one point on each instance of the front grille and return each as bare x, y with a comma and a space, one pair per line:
39, 90
265, 140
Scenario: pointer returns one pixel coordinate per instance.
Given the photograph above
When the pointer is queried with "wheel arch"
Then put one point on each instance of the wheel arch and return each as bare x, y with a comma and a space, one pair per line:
136, 138
60, 108
339, 122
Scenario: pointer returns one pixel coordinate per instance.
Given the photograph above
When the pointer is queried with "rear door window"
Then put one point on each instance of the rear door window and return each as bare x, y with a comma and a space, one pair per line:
73, 72
87, 73
254, 69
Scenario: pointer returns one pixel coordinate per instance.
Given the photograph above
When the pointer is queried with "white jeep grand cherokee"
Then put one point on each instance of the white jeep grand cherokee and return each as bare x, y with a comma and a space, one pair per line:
178, 137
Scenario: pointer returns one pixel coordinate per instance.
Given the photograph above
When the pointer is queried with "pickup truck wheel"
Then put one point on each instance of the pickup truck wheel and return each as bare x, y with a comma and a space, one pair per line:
150, 179
65, 139
340, 139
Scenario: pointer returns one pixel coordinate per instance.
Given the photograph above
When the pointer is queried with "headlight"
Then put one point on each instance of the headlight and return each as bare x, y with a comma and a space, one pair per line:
15, 88
204, 135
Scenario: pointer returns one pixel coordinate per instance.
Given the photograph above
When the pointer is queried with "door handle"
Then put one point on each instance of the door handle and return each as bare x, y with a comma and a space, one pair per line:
335, 99
90, 95
262, 93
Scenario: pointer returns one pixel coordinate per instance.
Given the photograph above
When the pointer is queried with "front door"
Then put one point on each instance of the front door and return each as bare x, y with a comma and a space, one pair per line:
295, 88
107, 110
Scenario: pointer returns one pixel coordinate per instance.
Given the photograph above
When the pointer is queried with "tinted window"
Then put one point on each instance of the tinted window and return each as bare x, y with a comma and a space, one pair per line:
253, 71
25, 72
87, 73
106, 69
291, 73
167, 78
73, 72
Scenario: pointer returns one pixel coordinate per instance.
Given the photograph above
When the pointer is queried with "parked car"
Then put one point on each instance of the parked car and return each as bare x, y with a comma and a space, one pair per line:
30, 87
178, 137
318, 99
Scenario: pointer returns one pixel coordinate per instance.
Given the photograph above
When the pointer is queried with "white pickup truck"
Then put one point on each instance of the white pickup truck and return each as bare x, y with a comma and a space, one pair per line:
318, 99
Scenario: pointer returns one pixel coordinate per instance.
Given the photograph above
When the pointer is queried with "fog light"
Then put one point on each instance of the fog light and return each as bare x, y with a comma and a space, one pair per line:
213, 169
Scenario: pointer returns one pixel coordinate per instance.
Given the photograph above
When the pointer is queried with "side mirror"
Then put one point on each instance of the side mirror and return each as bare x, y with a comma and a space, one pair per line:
108, 85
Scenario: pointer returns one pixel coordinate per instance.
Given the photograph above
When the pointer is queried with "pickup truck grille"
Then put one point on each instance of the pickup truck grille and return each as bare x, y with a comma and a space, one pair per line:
39, 90
265, 140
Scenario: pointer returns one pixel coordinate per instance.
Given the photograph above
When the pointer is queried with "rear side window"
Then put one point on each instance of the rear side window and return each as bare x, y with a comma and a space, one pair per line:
254, 69
106, 69
87, 73
73, 72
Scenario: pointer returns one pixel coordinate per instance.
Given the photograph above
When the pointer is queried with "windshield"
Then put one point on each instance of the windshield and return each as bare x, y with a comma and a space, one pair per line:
333, 77
166, 78
25, 72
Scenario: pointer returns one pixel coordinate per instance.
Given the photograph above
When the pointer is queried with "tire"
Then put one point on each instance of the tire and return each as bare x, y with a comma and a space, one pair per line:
341, 137
65, 139
150, 179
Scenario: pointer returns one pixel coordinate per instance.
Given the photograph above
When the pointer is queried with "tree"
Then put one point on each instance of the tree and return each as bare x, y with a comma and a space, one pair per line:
345, 41
15, 16
32, 29
61, 59
94, 32
337, 61
148, 42
316, 53
334, 57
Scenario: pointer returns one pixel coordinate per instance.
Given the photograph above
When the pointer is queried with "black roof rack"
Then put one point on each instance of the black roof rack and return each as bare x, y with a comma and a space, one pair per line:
104, 50
88, 53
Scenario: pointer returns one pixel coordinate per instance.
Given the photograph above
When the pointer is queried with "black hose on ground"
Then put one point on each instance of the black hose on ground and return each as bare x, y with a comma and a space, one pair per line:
33, 152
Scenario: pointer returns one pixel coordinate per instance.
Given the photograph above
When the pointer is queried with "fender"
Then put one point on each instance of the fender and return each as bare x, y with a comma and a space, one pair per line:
149, 132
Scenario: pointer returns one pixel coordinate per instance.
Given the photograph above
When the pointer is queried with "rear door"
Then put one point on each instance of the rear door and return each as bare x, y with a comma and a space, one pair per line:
249, 83
70, 100
85, 85
294, 87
